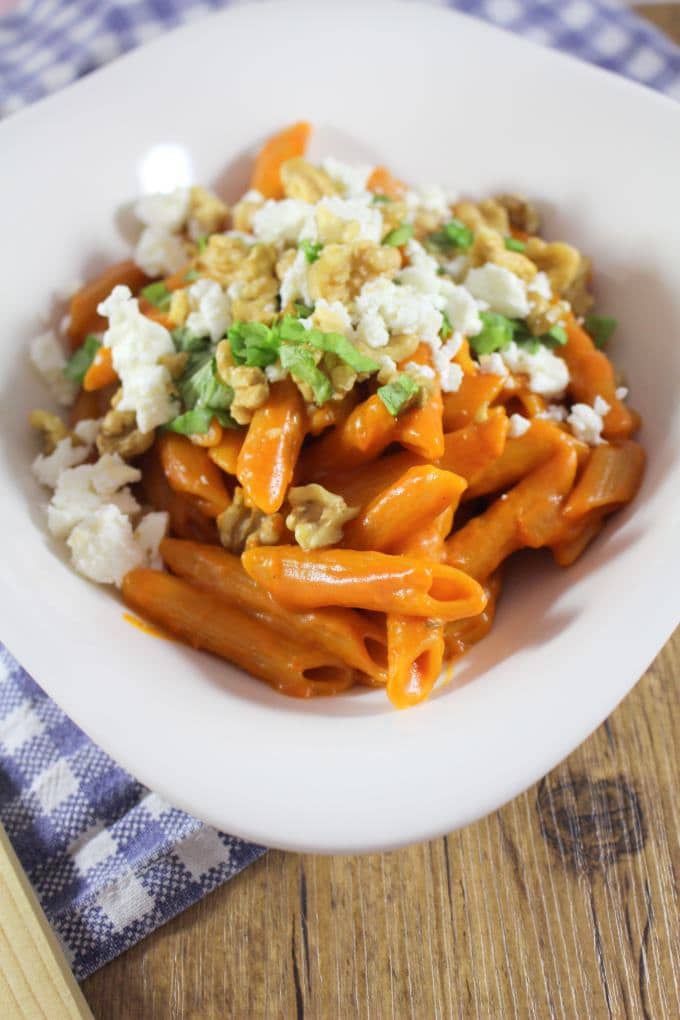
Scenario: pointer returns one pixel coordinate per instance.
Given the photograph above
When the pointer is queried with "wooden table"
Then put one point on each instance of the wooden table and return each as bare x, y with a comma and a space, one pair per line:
563, 904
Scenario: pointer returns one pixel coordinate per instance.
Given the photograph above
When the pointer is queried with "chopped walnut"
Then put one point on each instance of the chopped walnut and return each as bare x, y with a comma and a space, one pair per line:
522, 214
560, 261
255, 296
178, 311
243, 212
488, 213
543, 314
317, 516
242, 527
249, 384
400, 346
341, 375
393, 214
119, 433
489, 246
51, 427
342, 269
207, 213
284, 262
222, 258
304, 181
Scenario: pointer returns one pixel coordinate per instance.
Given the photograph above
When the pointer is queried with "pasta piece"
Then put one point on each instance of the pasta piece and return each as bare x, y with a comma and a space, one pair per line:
381, 182
530, 514
428, 542
84, 317
92, 404
465, 359
225, 453
187, 519
290, 142
415, 654
101, 372
522, 455
576, 536
359, 439
204, 621
211, 438
409, 504
592, 375
470, 401
331, 413
420, 429
610, 479
270, 450
471, 451
363, 580
461, 635
343, 633
190, 470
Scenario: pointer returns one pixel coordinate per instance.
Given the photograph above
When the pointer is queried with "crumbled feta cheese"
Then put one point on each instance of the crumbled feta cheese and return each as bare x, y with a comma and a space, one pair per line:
423, 373
541, 286
600, 406
330, 317
48, 358
517, 425
284, 222
164, 211
210, 309
294, 285
275, 372
501, 290
461, 308
586, 423
103, 546
492, 364
351, 178
136, 344
82, 490
553, 412
450, 374
159, 253
621, 392
383, 307
356, 210
456, 267
240, 235
388, 368
548, 374
48, 467
421, 274
149, 534
252, 195
87, 430
428, 199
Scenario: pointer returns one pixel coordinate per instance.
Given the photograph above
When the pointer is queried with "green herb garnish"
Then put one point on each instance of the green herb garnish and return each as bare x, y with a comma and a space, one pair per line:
77, 365
158, 295
379, 199
302, 310
399, 236
298, 359
184, 340
600, 329
447, 327
512, 244
312, 249
202, 243
191, 276
192, 423
497, 332
555, 337
253, 343
337, 344
453, 234
398, 394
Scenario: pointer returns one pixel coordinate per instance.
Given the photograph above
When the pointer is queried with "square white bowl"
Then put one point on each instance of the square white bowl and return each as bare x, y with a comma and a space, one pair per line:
438, 98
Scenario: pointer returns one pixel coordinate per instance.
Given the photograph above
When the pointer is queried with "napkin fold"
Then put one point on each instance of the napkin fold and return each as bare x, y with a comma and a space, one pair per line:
109, 860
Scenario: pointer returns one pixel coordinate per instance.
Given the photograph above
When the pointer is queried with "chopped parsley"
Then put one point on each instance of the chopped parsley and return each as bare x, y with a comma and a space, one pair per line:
312, 249
158, 295
192, 423
302, 310
600, 329
337, 344
379, 199
513, 244
453, 234
201, 389
77, 365
298, 359
398, 394
497, 332
254, 344
399, 236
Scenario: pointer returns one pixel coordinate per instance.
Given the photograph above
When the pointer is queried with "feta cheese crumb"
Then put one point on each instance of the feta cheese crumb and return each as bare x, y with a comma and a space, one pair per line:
541, 286
600, 406
136, 344
357, 210
586, 423
427, 199
149, 534
48, 358
450, 374
501, 290
553, 412
492, 364
284, 222
548, 374
422, 373
87, 430
210, 313
164, 210
158, 252
294, 284
48, 467
103, 546
351, 178
621, 392
517, 425
388, 368
275, 372
383, 307
82, 490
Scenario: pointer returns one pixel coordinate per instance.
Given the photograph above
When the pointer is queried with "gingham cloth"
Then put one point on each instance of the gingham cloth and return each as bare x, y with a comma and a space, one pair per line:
110, 860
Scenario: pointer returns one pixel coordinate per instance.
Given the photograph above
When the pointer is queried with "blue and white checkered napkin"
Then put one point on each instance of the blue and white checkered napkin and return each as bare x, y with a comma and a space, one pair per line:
109, 860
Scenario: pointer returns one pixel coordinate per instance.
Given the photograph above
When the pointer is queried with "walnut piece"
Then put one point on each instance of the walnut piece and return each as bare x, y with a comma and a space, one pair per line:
488, 213
178, 311
119, 433
342, 269
522, 214
489, 246
543, 314
243, 212
249, 384
222, 257
304, 181
560, 261
255, 295
51, 427
242, 527
207, 213
317, 516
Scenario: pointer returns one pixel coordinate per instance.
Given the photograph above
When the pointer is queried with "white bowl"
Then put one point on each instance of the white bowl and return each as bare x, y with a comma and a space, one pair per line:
440, 99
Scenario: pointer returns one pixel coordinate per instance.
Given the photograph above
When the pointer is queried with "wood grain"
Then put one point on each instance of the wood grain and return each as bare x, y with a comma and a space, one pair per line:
564, 904
35, 980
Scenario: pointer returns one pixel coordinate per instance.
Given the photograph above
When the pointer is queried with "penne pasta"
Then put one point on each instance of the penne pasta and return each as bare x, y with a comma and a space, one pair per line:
472, 450
592, 375
364, 434
204, 621
225, 453
267, 459
374, 581
476, 392
415, 653
189, 470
